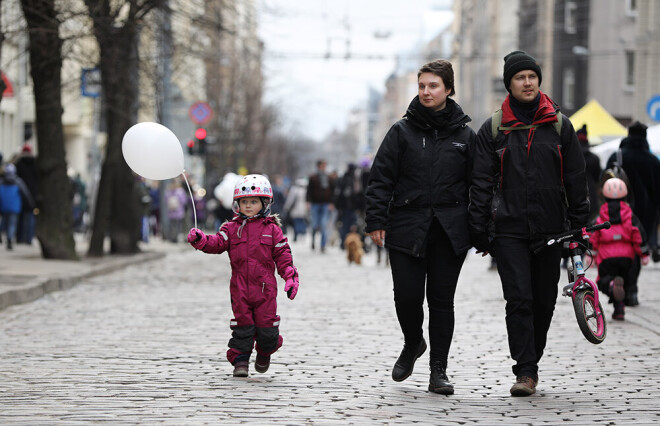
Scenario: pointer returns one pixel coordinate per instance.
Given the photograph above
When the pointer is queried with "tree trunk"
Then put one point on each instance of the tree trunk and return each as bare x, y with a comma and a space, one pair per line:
54, 228
2, 39
118, 211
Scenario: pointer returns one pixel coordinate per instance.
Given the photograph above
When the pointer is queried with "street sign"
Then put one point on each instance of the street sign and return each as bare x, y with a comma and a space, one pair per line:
200, 112
653, 108
90, 85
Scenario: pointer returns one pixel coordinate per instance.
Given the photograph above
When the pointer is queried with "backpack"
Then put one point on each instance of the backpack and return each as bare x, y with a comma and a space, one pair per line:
497, 121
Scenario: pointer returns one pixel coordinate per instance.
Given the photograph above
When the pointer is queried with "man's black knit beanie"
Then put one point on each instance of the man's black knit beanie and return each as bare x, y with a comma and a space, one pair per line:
517, 61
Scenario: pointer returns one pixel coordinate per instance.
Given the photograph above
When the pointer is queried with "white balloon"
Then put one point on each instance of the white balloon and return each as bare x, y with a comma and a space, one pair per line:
152, 151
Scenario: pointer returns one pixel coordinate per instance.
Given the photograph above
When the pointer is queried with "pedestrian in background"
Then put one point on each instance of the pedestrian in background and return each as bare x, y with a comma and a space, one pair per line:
175, 201
617, 246
592, 164
145, 200
528, 182
26, 169
417, 199
320, 193
256, 246
78, 201
154, 214
12, 193
295, 207
348, 200
279, 197
642, 170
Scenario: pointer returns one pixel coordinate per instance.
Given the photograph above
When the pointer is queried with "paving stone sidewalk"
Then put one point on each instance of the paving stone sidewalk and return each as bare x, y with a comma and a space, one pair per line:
145, 343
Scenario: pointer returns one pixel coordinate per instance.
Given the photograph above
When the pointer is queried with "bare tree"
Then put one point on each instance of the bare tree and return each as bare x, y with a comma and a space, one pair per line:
54, 228
117, 30
2, 39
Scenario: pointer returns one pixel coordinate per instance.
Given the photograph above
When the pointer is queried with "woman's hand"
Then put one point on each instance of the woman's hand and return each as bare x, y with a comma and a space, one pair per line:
378, 237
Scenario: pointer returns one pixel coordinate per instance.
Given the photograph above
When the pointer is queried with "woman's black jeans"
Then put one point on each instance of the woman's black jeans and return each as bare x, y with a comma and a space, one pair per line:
437, 274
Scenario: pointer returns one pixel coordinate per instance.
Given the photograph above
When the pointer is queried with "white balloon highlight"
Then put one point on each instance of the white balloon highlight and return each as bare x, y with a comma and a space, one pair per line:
152, 151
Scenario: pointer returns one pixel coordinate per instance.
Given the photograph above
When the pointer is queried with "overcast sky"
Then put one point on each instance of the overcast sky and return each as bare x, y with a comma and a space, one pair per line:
307, 41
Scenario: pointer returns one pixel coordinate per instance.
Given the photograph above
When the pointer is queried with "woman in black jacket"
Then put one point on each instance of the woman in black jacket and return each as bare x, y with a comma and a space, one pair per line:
417, 201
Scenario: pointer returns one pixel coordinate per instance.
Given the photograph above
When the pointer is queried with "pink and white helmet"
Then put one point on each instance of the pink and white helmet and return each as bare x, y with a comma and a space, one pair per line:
615, 189
253, 186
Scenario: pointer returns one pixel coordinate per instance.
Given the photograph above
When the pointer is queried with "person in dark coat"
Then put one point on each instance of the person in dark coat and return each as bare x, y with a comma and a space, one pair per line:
592, 164
348, 196
26, 169
528, 182
416, 206
320, 196
642, 169
13, 193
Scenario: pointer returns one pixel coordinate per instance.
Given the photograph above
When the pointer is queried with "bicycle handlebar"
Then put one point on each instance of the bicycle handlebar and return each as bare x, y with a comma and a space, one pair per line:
573, 233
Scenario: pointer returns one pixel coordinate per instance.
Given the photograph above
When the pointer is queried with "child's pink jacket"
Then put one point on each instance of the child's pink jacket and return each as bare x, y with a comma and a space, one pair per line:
622, 239
255, 248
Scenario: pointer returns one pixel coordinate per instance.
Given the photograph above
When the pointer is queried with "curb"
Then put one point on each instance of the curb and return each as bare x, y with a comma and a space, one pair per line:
35, 289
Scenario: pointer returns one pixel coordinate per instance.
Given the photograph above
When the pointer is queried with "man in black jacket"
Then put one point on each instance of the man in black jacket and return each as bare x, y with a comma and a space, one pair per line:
528, 181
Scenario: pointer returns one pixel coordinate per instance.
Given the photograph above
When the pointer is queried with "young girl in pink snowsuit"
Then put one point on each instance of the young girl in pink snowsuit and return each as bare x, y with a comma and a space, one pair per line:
617, 245
256, 245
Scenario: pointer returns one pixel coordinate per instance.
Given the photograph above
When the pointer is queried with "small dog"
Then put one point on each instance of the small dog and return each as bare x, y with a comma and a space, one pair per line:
353, 246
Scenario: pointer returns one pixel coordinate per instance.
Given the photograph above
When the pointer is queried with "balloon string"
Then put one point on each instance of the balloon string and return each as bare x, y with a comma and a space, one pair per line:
191, 197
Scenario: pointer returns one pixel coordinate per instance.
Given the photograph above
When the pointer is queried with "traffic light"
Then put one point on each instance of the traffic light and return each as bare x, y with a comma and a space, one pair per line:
191, 147
200, 134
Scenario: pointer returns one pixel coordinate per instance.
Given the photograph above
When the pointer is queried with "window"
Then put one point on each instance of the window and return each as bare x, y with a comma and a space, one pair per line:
630, 69
570, 20
631, 8
568, 90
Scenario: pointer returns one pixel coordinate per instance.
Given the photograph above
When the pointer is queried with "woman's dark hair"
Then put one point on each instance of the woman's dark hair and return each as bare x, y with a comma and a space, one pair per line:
442, 69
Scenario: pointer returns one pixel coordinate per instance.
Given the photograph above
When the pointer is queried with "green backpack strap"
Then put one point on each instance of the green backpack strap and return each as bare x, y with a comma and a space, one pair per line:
557, 124
496, 121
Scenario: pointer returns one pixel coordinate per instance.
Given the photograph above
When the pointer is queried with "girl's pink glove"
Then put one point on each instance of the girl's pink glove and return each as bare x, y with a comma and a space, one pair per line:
645, 260
291, 284
196, 238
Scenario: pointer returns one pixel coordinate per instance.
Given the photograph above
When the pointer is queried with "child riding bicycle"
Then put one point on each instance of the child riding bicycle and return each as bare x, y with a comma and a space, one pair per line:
616, 246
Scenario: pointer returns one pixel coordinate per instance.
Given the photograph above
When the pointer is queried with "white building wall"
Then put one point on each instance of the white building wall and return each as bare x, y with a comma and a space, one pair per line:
611, 33
647, 61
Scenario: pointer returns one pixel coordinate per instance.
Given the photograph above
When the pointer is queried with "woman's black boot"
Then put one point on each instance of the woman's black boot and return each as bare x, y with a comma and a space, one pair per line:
439, 383
403, 367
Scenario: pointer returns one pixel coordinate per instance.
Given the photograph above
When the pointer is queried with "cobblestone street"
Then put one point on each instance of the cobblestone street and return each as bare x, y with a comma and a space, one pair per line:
146, 344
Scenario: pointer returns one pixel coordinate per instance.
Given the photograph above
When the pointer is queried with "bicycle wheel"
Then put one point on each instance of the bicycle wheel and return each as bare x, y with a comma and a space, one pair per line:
590, 317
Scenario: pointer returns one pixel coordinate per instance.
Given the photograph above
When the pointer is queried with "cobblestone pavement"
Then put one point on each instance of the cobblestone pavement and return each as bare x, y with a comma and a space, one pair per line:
146, 344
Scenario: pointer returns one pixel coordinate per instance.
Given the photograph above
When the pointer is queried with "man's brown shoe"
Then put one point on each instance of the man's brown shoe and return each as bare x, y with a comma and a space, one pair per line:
524, 386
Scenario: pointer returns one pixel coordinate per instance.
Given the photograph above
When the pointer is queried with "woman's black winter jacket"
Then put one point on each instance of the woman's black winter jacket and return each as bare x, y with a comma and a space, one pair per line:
420, 172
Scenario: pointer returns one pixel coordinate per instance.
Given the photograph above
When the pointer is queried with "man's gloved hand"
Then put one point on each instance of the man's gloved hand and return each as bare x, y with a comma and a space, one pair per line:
196, 238
291, 284
481, 242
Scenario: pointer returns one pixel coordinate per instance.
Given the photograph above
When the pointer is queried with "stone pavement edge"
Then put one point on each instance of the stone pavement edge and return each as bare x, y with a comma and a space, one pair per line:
26, 276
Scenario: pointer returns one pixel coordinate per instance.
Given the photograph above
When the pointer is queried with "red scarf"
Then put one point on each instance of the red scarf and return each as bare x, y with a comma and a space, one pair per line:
546, 113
